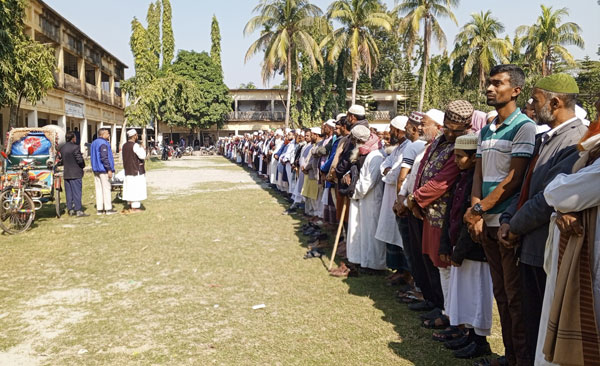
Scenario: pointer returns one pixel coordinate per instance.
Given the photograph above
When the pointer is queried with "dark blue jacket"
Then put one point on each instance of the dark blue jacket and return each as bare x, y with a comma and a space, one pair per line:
101, 156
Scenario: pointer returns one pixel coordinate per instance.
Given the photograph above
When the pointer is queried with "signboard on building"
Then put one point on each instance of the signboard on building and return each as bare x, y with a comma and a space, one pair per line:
73, 109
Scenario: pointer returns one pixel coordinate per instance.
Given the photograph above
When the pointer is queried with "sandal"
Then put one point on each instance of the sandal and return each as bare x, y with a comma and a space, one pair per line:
441, 322
448, 334
313, 254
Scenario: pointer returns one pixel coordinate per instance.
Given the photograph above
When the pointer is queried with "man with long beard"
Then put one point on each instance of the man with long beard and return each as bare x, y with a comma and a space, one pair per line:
525, 223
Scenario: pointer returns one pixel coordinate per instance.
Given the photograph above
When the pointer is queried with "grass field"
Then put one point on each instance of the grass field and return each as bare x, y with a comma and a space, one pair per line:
175, 285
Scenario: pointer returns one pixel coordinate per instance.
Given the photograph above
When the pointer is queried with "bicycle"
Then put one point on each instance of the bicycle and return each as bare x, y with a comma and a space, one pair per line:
17, 208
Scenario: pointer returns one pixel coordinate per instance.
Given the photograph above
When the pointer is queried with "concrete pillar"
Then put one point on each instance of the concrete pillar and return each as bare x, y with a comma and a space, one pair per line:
395, 111
113, 137
62, 122
83, 132
60, 65
81, 73
235, 108
99, 83
112, 88
32, 118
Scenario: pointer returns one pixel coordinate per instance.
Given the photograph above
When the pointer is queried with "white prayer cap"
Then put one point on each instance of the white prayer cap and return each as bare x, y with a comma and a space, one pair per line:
492, 114
361, 133
131, 133
288, 130
279, 132
379, 127
399, 122
357, 110
255, 133
466, 142
316, 130
301, 133
330, 123
387, 128
340, 116
298, 130
436, 115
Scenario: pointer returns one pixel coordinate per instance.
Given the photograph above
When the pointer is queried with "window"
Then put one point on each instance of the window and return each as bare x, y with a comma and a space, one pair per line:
74, 43
90, 74
118, 87
105, 82
70, 65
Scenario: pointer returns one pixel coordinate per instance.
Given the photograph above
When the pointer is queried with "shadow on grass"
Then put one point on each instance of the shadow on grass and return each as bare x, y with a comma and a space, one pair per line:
414, 342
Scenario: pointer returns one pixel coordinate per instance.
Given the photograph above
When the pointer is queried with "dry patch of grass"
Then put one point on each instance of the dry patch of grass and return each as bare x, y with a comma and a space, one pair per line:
175, 285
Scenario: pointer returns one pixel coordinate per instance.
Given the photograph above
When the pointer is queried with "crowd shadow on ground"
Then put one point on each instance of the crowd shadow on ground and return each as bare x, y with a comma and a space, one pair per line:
414, 343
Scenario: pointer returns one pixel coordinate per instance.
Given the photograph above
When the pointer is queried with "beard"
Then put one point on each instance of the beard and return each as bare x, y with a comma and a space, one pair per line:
544, 116
394, 140
428, 136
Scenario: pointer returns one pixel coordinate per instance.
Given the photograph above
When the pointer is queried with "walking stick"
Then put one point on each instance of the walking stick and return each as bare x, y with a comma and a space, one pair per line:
339, 232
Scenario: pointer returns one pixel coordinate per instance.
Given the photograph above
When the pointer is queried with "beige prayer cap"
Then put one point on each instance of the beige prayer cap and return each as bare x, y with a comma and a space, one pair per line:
466, 142
361, 133
131, 133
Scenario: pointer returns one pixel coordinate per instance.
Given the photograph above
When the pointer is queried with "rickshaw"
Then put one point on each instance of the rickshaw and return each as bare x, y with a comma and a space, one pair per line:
30, 176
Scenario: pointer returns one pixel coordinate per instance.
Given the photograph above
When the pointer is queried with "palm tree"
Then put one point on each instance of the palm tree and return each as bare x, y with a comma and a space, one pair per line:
285, 34
478, 41
426, 12
545, 40
359, 18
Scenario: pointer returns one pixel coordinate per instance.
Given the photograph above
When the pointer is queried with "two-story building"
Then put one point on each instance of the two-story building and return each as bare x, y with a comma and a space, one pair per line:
264, 109
86, 94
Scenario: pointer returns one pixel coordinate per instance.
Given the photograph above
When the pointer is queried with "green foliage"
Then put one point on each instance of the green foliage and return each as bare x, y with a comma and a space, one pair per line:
168, 41
479, 46
153, 33
287, 28
589, 85
208, 104
359, 19
249, 85
545, 40
215, 47
32, 71
11, 32
364, 93
317, 102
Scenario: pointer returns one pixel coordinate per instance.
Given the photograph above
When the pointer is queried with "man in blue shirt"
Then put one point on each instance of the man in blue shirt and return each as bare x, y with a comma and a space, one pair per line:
103, 166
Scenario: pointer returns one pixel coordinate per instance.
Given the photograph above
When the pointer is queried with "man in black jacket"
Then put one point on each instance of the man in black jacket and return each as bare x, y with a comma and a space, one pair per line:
73, 174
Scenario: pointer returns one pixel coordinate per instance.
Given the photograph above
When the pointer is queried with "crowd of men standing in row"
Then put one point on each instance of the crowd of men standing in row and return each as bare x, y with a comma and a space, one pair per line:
464, 207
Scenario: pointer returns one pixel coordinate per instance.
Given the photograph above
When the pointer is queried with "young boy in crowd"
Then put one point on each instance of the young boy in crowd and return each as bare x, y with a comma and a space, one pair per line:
470, 296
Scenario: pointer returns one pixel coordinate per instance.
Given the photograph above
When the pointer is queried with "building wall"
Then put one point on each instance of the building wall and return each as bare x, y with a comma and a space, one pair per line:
73, 102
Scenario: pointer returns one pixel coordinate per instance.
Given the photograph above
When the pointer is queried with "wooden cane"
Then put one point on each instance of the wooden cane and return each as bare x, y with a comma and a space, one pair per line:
339, 232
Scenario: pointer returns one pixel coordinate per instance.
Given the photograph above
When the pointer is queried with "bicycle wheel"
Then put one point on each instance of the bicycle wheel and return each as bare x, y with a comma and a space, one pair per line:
16, 214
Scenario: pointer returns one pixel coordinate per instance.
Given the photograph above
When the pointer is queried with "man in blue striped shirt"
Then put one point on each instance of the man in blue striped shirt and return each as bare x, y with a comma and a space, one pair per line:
504, 149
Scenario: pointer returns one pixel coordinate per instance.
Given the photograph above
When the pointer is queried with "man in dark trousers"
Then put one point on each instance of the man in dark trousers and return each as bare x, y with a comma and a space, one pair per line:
73, 174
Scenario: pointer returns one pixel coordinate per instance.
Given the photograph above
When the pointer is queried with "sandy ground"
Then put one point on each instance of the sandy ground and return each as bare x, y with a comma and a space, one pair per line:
184, 176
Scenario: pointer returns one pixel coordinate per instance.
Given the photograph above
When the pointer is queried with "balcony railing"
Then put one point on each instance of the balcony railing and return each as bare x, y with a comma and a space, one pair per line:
91, 91
106, 97
381, 115
72, 84
255, 116
117, 101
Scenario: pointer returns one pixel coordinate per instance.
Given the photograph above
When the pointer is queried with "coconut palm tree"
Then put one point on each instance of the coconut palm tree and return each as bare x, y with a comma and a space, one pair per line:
285, 34
478, 41
359, 18
545, 40
426, 12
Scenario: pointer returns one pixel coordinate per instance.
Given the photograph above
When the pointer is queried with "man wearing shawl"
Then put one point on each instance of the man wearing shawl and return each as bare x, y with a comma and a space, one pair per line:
134, 185
572, 307
429, 200
365, 203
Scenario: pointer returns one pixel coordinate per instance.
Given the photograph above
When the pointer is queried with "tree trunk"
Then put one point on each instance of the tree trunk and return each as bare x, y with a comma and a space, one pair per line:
289, 92
14, 113
481, 78
426, 40
144, 137
156, 122
123, 138
354, 82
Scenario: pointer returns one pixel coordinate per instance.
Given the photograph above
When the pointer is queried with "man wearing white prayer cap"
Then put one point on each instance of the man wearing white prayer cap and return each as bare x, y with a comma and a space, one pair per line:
330, 123
316, 130
134, 185
340, 116
436, 115
357, 116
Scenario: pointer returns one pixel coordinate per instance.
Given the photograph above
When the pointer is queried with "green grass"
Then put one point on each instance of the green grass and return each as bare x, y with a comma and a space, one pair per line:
148, 285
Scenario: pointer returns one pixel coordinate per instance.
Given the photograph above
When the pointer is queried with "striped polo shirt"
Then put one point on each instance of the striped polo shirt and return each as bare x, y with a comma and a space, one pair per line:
496, 147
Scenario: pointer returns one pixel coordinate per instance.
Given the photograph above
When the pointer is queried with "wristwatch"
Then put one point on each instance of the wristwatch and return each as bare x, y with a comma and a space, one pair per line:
477, 209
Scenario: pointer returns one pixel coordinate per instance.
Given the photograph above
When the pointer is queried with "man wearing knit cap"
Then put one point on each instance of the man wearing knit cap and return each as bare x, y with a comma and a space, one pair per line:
503, 153
134, 186
525, 222
362, 247
430, 197
388, 230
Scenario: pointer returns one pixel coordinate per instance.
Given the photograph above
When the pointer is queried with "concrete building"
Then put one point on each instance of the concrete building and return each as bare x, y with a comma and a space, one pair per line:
263, 109
86, 94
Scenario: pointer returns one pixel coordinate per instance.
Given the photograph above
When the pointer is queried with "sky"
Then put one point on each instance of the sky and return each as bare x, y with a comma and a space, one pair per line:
108, 22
